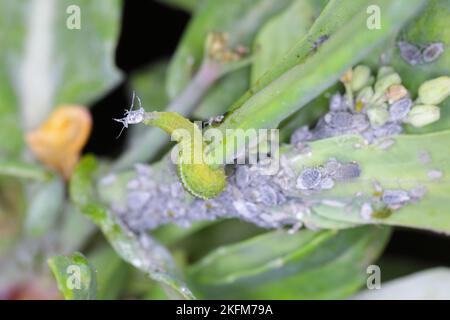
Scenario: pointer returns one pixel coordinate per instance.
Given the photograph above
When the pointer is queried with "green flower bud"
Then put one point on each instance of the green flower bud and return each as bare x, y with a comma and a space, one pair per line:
422, 115
361, 76
378, 115
384, 71
434, 91
364, 96
385, 82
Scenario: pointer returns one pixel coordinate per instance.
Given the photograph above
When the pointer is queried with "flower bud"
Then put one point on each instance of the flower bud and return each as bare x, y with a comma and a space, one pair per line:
385, 82
347, 76
361, 76
59, 140
434, 91
365, 95
422, 115
396, 92
378, 115
384, 71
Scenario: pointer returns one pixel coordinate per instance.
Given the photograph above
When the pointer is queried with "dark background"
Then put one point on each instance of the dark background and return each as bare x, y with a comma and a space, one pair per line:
151, 31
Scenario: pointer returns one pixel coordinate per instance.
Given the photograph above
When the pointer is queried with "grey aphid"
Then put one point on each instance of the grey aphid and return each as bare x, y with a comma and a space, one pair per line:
434, 174
327, 183
399, 109
409, 52
132, 117
266, 194
213, 120
432, 52
424, 157
242, 176
386, 144
331, 167
320, 41
366, 211
418, 192
137, 199
360, 122
339, 119
348, 171
336, 102
301, 135
388, 129
395, 196
309, 179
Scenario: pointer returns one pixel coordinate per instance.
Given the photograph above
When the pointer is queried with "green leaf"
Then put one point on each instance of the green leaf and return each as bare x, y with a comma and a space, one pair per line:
24, 170
303, 82
335, 15
223, 94
44, 207
50, 61
141, 251
75, 229
279, 35
398, 167
12, 206
305, 265
75, 276
112, 273
241, 19
431, 284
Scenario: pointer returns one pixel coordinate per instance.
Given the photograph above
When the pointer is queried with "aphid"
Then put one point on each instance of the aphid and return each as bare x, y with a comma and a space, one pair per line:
424, 157
340, 119
409, 52
400, 109
132, 117
336, 102
300, 135
434, 174
348, 171
242, 176
394, 197
432, 52
309, 179
136, 200
267, 195
389, 129
366, 211
331, 167
386, 144
213, 120
417, 192
320, 41
360, 122
327, 183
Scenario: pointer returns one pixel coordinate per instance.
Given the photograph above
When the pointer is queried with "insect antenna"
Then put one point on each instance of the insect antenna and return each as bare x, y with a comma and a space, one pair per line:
125, 119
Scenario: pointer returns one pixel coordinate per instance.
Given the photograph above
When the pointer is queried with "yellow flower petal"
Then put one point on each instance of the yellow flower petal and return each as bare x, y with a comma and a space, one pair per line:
59, 140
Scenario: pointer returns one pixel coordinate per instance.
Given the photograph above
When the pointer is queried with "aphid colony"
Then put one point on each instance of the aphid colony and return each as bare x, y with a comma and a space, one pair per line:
372, 108
156, 197
382, 203
376, 107
324, 177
